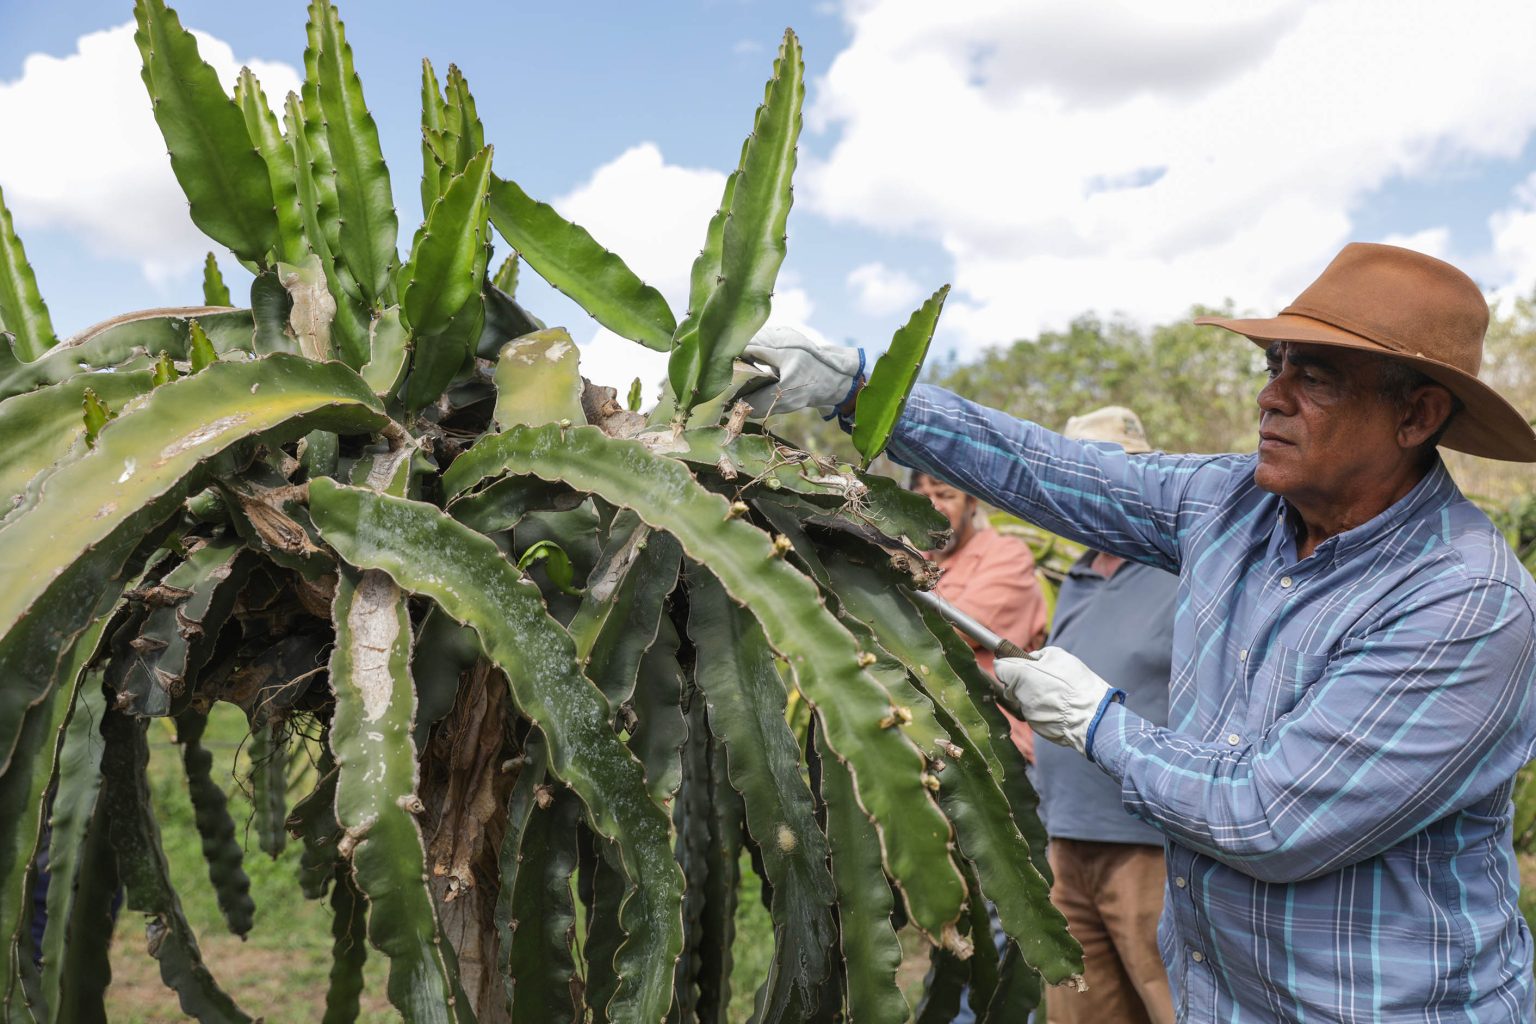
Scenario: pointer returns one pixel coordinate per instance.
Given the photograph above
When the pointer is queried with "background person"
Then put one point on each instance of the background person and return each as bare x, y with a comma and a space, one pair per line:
1117, 617
989, 577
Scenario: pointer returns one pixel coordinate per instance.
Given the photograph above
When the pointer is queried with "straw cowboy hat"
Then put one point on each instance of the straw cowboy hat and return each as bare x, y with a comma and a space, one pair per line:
1112, 423
1414, 308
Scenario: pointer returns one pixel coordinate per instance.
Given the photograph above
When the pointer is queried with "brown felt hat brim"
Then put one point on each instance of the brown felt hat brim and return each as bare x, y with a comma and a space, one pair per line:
1487, 426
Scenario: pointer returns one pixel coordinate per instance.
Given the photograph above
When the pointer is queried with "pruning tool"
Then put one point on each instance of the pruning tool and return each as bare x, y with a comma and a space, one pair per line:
998, 645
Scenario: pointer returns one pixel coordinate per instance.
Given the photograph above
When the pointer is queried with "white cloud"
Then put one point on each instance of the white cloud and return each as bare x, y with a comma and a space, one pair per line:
96, 166
1118, 156
878, 289
1434, 241
1514, 243
654, 215
615, 361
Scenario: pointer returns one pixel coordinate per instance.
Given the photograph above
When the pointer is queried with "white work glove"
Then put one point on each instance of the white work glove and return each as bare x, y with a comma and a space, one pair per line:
1056, 694
811, 375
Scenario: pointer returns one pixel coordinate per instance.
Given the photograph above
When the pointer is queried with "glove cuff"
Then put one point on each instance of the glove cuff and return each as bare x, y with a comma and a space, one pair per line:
1114, 696
853, 389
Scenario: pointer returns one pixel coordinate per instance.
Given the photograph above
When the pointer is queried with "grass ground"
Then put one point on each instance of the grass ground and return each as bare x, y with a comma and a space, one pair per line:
280, 971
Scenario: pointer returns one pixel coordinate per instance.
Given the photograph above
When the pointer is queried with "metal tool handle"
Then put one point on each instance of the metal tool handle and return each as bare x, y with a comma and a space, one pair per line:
998, 645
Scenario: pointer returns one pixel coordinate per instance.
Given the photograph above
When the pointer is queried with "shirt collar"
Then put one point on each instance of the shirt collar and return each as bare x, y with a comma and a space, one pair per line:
1433, 491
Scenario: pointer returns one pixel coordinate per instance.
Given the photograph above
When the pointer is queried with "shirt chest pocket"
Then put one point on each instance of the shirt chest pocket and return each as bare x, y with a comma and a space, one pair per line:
1280, 683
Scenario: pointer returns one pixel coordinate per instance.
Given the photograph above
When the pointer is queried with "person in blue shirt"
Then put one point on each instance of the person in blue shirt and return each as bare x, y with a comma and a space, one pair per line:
1117, 617
1354, 651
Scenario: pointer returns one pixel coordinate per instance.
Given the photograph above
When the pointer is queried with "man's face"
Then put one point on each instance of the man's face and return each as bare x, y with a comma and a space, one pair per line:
1324, 425
956, 506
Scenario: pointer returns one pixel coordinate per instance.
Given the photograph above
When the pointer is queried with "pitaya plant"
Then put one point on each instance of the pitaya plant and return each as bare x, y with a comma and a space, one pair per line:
547, 642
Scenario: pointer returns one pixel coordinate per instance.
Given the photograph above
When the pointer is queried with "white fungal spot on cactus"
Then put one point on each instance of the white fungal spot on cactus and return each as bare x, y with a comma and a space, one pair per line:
373, 627
785, 839
202, 435
313, 306
385, 467
129, 465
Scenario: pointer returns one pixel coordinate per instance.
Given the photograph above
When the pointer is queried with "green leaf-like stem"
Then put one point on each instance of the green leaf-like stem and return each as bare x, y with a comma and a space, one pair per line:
221, 172
464, 572
22, 311
566, 256
752, 244
885, 396
823, 655
74, 538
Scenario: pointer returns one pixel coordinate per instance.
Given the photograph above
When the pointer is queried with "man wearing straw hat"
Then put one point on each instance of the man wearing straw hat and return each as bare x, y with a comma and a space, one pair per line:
1354, 652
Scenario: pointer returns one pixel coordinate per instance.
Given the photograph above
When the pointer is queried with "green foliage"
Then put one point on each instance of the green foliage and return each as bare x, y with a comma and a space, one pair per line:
569, 258
752, 238
538, 380
200, 351
224, 177
265, 134
444, 278
365, 207
23, 314
557, 565
164, 370
885, 396
532, 685
506, 275
215, 291
96, 415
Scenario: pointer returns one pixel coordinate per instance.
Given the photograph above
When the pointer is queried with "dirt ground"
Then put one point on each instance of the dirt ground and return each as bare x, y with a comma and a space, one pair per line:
278, 985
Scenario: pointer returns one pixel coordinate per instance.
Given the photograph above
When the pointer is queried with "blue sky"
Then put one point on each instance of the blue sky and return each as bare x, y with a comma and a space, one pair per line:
1046, 156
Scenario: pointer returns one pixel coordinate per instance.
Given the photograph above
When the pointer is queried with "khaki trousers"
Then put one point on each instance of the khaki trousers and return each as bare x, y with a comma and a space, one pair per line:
1111, 895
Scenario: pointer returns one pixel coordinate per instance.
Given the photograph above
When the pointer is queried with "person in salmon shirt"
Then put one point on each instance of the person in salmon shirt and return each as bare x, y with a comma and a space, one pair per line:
990, 577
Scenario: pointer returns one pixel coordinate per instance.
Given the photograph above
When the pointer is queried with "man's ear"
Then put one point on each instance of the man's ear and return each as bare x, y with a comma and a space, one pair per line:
1427, 410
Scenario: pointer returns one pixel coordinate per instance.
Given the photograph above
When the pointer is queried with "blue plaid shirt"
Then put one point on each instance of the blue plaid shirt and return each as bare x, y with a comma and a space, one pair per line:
1334, 781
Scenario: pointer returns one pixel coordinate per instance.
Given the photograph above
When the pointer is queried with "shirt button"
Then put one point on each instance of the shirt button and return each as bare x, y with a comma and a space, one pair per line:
1180, 882
1234, 739
1242, 655
1197, 956
1285, 583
